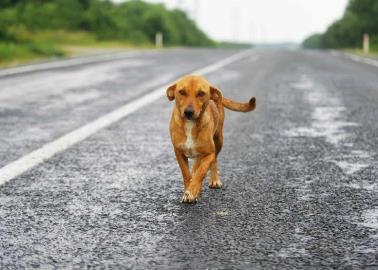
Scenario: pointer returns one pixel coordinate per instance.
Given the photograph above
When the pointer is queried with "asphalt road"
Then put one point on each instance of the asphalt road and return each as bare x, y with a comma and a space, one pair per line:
300, 173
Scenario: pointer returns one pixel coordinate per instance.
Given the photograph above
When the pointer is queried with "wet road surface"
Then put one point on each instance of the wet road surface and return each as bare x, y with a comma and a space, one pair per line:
300, 173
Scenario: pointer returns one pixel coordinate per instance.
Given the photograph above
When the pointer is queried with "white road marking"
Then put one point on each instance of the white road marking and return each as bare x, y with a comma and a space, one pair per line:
61, 144
65, 63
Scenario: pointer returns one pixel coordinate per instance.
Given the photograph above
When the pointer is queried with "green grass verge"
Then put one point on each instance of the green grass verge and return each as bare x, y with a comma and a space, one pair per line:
373, 52
35, 46
17, 53
233, 45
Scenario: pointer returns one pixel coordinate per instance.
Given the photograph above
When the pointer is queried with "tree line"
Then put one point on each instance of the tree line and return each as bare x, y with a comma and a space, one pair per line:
134, 21
360, 17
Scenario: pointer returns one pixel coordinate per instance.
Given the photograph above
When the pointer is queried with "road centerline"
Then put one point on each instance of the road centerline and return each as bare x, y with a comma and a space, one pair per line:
40, 155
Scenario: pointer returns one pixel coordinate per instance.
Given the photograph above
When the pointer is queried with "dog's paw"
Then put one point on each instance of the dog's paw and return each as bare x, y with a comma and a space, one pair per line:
215, 184
188, 198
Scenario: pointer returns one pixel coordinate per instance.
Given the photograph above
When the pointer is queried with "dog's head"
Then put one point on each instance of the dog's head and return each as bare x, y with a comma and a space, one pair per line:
192, 94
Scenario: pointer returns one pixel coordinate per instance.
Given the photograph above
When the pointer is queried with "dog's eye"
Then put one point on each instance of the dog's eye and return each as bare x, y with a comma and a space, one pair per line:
200, 93
182, 92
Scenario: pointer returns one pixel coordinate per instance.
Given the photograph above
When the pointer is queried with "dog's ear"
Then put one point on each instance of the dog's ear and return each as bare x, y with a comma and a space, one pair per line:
215, 94
171, 92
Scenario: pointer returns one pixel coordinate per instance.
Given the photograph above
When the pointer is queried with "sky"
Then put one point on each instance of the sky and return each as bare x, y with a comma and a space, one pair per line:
261, 21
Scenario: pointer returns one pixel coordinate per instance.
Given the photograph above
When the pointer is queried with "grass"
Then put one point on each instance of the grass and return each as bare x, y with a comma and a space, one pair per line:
233, 45
78, 43
373, 52
36, 46
12, 53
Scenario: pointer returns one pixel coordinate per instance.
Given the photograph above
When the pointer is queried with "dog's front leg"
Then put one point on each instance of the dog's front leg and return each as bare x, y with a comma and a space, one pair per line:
184, 166
202, 166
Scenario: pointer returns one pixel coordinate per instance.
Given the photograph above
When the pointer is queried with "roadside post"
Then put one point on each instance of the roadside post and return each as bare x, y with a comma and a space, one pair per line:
365, 43
159, 40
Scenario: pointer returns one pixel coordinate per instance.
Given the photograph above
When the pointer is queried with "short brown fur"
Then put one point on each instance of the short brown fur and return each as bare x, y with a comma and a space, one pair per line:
196, 130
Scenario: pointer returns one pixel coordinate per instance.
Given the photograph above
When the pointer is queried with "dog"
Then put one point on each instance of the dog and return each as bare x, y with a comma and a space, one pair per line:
196, 130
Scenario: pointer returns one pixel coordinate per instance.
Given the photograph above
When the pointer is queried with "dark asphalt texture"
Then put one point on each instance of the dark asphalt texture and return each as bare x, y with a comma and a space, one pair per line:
300, 173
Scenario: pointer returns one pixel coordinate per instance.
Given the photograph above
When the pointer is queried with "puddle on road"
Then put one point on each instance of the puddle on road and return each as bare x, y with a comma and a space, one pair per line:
354, 161
293, 250
370, 218
228, 75
303, 84
328, 122
363, 184
350, 168
58, 83
296, 248
74, 98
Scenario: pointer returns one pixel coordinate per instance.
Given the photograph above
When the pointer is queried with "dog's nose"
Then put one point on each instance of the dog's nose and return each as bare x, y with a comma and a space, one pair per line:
189, 112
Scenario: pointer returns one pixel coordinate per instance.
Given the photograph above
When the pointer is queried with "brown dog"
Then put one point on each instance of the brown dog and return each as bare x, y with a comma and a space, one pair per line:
196, 130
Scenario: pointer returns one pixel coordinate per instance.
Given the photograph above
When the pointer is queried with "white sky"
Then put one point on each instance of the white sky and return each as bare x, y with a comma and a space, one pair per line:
261, 20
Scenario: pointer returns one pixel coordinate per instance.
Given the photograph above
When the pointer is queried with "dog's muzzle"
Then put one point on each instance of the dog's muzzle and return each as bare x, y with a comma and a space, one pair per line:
189, 113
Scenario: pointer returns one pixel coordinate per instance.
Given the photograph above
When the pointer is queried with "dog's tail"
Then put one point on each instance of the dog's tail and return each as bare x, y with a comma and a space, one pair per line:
239, 107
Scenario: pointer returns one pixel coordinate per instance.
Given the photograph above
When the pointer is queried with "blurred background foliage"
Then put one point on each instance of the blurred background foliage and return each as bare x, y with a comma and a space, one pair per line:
33, 28
360, 17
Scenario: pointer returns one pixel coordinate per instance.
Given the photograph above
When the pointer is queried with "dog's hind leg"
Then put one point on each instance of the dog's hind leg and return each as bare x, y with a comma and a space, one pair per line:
218, 142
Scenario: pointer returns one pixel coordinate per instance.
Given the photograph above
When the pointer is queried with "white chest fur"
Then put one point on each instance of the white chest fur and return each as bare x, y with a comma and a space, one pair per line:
189, 143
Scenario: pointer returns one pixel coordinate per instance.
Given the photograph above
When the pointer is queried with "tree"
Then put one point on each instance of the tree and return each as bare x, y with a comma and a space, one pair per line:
360, 16
133, 20
313, 41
